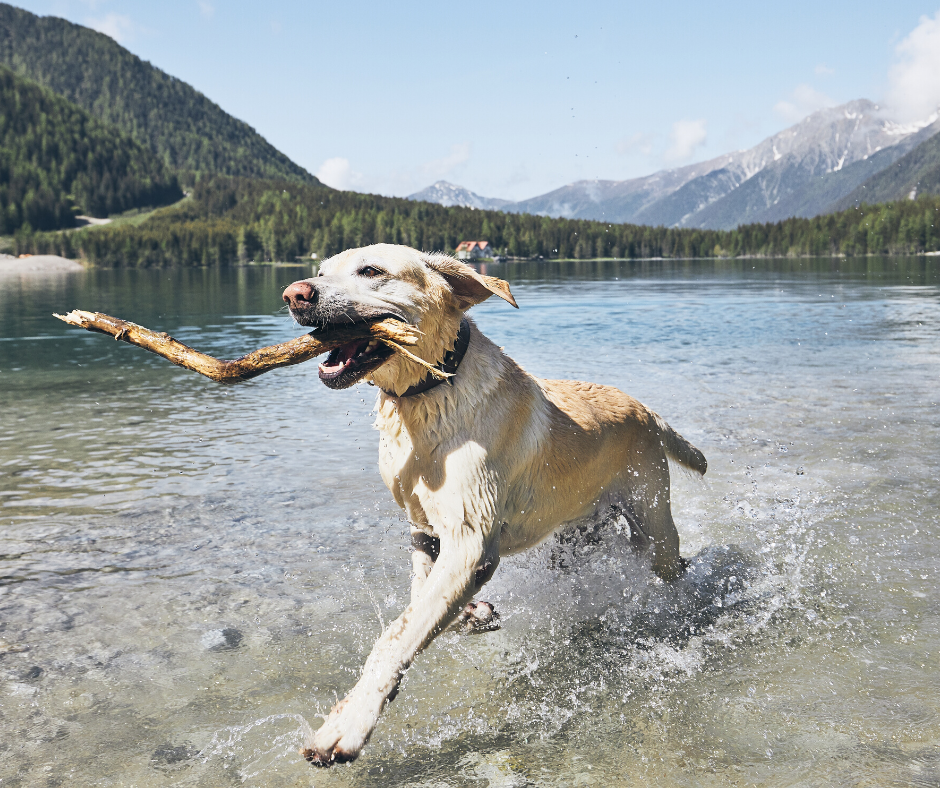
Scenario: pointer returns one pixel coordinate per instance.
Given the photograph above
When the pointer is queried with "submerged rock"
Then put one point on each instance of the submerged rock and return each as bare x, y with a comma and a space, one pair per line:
169, 755
221, 639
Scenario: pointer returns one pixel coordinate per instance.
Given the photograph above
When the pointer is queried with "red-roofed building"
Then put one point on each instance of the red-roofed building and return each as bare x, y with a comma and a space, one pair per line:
474, 250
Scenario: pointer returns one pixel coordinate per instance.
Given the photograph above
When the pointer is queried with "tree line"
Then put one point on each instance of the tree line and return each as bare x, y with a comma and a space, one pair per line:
238, 220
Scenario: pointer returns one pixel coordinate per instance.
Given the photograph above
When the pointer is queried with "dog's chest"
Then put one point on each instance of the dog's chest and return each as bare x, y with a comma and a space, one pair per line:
439, 481
395, 448
400, 464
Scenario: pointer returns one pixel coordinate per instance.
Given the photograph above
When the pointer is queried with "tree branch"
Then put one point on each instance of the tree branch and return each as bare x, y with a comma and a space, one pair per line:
393, 333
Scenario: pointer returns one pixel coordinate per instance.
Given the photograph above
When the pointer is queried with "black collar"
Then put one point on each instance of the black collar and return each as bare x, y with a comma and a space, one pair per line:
449, 364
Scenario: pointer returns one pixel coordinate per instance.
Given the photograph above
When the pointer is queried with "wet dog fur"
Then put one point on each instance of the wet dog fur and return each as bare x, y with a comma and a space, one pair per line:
488, 464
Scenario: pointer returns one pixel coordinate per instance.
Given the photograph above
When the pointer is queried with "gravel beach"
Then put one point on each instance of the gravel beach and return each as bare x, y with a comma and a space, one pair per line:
36, 265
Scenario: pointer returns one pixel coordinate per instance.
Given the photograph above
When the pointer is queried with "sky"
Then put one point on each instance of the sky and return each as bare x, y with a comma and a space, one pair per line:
513, 100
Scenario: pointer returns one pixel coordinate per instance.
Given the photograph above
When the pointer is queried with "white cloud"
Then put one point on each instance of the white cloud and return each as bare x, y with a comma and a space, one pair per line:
338, 173
638, 142
120, 27
206, 10
436, 169
804, 100
519, 176
413, 177
686, 136
915, 76
822, 70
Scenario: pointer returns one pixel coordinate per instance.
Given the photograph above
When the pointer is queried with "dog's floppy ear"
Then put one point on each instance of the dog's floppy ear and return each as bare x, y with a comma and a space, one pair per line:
469, 286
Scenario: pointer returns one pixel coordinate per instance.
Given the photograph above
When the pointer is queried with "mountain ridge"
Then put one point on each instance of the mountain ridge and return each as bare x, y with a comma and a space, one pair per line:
449, 195
801, 171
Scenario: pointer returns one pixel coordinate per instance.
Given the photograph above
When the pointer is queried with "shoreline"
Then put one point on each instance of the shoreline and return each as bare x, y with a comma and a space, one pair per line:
37, 265
45, 264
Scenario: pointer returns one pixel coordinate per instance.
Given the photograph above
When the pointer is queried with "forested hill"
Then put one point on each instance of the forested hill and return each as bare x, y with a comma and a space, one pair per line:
56, 160
187, 130
228, 221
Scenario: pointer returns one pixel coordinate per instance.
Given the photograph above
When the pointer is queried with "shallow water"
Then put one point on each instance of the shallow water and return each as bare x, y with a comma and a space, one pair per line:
193, 573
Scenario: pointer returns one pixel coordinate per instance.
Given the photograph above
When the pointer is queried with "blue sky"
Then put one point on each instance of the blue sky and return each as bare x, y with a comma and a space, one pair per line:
514, 99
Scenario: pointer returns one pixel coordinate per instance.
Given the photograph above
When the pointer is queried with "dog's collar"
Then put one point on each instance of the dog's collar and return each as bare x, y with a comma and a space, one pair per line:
449, 364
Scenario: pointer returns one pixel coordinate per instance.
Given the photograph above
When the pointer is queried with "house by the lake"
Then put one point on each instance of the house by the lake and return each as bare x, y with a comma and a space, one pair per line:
474, 250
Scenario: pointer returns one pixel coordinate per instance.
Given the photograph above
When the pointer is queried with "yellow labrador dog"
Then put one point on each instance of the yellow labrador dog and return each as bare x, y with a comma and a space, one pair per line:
489, 463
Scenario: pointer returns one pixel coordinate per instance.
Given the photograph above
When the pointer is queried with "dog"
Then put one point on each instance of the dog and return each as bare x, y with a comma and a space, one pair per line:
486, 463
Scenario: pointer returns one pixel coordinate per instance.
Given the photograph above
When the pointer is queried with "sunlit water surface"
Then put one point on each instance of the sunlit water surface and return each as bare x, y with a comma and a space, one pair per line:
192, 574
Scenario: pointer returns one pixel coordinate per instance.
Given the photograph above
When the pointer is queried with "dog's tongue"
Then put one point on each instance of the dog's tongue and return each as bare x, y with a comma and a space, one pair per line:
347, 352
342, 355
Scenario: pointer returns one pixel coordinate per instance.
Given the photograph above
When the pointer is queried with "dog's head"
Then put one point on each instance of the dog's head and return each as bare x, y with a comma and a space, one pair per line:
430, 291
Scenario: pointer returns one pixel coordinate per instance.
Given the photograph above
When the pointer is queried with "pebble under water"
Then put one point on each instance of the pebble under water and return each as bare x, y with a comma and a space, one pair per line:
191, 574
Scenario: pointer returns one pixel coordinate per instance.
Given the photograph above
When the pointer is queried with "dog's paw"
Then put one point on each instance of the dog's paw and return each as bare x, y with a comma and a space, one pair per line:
330, 746
478, 617
342, 736
323, 760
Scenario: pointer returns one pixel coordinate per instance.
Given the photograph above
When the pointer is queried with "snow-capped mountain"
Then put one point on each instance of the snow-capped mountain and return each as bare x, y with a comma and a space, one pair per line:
805, 170
449, 194
802, 171
615, 201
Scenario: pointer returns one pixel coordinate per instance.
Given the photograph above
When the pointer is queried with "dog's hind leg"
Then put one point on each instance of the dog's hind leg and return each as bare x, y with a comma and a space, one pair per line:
664, 543
626, 513
654, 517
477, 616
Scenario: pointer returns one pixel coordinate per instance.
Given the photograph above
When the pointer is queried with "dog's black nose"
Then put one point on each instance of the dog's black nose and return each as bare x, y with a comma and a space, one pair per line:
300, 294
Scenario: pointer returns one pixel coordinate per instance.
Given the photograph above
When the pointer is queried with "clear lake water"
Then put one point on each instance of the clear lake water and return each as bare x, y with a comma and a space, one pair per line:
190, 574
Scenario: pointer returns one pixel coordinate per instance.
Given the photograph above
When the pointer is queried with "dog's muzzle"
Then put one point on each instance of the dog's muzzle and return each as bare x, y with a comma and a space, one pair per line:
349, 363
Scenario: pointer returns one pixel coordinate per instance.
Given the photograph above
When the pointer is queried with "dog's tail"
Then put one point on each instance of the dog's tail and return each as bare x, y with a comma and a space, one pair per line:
679, 449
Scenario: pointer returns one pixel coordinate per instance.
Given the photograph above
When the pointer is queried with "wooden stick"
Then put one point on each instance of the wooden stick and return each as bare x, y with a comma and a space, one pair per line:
393, 333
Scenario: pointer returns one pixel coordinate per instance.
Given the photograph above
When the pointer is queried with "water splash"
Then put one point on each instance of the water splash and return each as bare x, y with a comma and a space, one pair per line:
254, 749
609, 640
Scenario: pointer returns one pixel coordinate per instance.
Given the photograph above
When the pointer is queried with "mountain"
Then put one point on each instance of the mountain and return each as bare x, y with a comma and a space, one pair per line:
183, 127
913, 174
613, 201
749, 186
813, 166
803, 171
56, 161
578, 200
448, 194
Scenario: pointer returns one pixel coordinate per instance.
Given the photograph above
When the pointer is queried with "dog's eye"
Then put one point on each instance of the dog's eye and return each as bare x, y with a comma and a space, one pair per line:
370, 272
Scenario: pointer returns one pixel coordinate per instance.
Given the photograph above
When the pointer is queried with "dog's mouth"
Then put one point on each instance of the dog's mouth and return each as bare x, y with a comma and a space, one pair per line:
351, 362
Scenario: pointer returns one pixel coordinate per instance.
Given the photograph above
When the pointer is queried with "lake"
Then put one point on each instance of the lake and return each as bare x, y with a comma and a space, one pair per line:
193, 573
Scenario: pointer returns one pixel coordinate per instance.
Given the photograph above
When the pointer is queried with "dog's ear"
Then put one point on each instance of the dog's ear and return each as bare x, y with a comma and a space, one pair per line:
469, 286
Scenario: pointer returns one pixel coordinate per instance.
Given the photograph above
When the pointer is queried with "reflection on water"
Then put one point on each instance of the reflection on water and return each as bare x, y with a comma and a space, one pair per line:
192, 573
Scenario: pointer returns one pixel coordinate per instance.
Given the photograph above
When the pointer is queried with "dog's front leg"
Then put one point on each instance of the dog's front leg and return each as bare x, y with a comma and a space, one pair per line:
448, 587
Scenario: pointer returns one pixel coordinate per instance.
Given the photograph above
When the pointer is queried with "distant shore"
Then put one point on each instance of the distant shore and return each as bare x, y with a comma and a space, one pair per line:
36, 265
